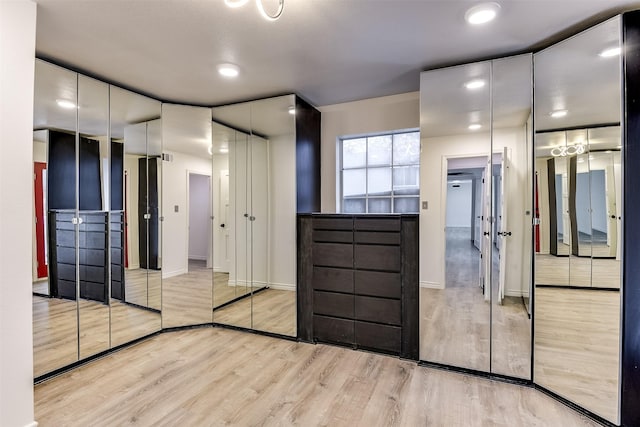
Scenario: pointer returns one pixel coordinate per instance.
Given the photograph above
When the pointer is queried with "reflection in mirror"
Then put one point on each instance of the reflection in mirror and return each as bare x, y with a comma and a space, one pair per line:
93, 205
187, 201
55, 322
578, 207
512, 210
455, 307
260, 236
135, 304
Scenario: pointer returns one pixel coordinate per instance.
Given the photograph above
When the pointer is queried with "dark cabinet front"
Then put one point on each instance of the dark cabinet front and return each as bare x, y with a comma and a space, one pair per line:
358, 281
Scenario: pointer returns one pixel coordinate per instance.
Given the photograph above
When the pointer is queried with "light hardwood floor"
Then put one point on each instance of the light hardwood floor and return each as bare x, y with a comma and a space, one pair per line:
216, 377
577, 271
577, 346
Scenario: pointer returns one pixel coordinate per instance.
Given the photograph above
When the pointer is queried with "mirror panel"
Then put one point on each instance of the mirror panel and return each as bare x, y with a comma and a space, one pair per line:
55, 313
93, 206
187, 201
135, 307
577, 321
455, 302
512, 210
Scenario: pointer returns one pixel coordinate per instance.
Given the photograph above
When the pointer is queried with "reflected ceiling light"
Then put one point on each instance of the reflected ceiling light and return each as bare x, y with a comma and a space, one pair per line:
235, 3
608, 53
474, 84
224, 150
475, 126
292, 110
63, 103
210, 150
568, 150
228, 70
558, 113
260, 5
608, 151
482, 13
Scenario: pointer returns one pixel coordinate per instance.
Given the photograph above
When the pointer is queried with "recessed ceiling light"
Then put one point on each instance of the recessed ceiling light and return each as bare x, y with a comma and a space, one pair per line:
475, 126
558, 113
292, 110
608, 53
224, 150
482, 13
235, 3
474, 84
63, 103
228, 70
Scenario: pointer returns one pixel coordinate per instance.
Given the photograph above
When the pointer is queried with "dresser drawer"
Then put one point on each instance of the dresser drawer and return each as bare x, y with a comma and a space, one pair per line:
333, 279
377, 237
375, 257
379, 284
332, 304
333, 224
332, 236
377, 224
333, 255
333, 330
381, 310
379, 337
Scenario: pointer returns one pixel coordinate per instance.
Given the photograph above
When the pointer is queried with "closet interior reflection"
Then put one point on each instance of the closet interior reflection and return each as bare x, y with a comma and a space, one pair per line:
476, 139
578, 205
82, 303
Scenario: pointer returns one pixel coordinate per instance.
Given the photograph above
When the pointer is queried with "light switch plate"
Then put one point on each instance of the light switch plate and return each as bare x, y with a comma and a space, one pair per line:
176, 208
425, 205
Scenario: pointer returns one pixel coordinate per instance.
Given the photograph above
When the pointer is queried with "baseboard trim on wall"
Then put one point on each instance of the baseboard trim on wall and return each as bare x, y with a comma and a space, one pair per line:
32, 424
169, 274
282, 286
198, 257
431, 285
514, 293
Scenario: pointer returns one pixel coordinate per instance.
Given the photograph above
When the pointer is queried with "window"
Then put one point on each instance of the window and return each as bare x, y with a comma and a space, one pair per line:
380, 173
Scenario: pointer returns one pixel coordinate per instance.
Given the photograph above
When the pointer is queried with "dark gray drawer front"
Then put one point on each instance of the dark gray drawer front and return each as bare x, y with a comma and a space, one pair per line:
376, 237
116, 255
375, 224
333, 255
333, 330
67, 272
381, 337
67, 217
377, 283
65, 238
92, 240
93, 257
116, 239
67, 288
62, 225
333, 236
333, 279
332, 224
99, 227
66, 255
379, 310
374, 257
92, 274
100, 218
330, 304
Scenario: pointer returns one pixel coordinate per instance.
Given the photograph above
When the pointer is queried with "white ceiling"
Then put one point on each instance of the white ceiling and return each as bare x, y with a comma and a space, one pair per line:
328, 51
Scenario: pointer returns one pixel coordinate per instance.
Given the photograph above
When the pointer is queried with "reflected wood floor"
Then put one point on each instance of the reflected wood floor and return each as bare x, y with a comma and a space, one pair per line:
577, 271
455, 322
577, 346
217, 377
273, 311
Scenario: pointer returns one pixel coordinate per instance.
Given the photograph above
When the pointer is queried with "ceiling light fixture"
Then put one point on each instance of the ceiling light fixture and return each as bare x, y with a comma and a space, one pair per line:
292, 110
610, 52
475, 126
558, 113
260, 5
228, 70
474, 84
63, 103
482, 13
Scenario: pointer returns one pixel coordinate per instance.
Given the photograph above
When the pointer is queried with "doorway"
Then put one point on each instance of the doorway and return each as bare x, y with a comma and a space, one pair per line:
199, 247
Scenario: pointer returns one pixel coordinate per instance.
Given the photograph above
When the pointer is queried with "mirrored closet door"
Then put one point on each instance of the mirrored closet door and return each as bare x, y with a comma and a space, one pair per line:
475, 163
578, 209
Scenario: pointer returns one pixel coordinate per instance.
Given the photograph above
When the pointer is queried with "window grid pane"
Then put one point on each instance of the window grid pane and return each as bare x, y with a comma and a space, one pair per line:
389, 166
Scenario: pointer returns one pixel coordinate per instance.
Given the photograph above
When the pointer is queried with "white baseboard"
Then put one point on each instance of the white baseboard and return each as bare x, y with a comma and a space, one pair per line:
515, 293
279, 286
198, 257
168, 274
134, 266
283, 286
431, 285
32, 424
219, 270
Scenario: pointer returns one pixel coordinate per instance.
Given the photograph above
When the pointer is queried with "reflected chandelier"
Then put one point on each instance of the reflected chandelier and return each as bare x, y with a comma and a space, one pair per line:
570, 150
260, 6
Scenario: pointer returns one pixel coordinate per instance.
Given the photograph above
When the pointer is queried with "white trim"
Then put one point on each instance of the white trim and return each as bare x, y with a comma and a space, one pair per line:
133, 266
198, 257
283, 286
431, 285
168, 274
515, 293
32, 424
220, 270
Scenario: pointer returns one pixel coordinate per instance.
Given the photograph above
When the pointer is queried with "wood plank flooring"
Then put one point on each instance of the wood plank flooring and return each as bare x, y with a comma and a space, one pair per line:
577, 346
577, 271
216, 377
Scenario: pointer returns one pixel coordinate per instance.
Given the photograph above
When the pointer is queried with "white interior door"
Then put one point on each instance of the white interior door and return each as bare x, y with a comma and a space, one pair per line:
612, 216
224, 229
504, 224
617, 176
477, 221
485, 250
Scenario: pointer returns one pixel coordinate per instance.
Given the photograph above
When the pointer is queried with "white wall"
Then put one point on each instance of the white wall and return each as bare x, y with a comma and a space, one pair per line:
220, 164
387, 113
17, 62
459, 204
433, 175
199, 216
174, 193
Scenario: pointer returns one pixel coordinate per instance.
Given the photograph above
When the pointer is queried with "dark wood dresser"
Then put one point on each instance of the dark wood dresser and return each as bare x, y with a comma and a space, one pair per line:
358, 281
